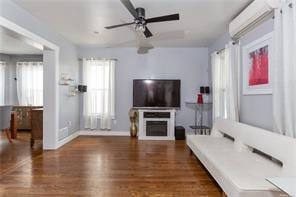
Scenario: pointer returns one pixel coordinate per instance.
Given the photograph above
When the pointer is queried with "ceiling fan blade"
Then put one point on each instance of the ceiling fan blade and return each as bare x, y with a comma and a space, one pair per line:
147, 33
128, 4
120, 25
171, 17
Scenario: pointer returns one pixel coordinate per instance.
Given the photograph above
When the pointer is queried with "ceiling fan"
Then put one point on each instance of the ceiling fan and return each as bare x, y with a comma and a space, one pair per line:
140, 21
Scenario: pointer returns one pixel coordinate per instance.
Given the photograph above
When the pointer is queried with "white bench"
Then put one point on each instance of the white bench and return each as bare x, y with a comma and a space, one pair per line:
237, 169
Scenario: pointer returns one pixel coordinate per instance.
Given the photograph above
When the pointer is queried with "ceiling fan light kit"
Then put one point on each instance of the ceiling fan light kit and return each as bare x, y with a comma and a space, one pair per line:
140, 21
140, 28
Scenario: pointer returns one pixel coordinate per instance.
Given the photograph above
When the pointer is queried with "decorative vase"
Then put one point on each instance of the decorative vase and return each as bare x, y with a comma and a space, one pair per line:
199, 99
133, 114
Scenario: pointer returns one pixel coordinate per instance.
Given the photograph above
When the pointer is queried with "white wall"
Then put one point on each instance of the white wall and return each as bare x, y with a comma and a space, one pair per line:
255, 109
69, 106
188, 64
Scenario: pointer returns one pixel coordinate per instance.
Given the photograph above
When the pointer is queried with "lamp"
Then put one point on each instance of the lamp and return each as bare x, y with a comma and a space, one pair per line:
140, 27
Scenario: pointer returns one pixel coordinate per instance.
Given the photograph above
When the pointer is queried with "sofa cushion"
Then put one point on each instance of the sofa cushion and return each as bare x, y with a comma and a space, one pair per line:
209, 143
247, 171
238, 173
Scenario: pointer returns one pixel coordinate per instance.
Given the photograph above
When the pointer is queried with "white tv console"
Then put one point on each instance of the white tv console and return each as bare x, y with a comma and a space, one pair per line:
156, 124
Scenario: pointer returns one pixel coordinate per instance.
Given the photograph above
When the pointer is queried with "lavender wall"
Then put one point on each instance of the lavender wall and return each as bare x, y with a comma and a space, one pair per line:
254, 109
188, 64
69, 106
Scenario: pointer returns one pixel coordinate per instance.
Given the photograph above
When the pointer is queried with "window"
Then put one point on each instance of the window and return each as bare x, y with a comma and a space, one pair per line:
225, 82
2, 82
98, 75
30, 83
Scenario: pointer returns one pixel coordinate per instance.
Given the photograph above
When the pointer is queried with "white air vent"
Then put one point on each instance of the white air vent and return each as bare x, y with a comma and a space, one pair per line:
64, 132
254, 14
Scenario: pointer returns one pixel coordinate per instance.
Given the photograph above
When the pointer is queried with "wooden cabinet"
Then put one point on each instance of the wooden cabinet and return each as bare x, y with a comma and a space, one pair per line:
24, 116
37, 125
13, 125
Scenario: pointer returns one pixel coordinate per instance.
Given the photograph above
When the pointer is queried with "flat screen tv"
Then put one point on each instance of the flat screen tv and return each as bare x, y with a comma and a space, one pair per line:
152, 93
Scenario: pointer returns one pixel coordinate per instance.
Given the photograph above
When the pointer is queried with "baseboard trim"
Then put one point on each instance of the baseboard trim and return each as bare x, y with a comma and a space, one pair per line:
90, 133
67, 139
104, 133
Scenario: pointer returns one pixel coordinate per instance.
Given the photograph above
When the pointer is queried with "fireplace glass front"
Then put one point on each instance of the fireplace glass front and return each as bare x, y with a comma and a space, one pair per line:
156, 128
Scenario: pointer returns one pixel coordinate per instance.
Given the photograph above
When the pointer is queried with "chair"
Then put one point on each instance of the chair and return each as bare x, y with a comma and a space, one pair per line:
5, 116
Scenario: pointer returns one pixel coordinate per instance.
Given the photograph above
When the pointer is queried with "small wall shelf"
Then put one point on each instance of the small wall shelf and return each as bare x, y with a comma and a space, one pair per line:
73, 90
66, 80
63, 83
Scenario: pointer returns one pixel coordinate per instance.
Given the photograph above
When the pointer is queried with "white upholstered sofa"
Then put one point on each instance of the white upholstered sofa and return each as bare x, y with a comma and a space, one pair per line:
237, 168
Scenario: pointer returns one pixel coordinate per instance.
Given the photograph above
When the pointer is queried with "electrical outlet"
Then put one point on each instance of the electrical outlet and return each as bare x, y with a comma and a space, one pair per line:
69, 123
114, 121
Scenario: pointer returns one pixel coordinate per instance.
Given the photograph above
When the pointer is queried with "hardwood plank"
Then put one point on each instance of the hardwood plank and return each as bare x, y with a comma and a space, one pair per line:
111, 166
16, 153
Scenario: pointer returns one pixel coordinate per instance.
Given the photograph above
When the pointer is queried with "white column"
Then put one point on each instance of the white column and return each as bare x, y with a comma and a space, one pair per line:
50, 99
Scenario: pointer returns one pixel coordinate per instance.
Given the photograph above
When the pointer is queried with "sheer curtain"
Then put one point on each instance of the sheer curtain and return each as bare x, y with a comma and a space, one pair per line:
217, 60
2, 82
99, 100
30, 83
225, 71
284, 75
232, 65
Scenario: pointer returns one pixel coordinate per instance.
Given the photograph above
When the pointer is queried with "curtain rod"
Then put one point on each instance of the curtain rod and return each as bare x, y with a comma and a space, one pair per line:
233, 43
81, 59
220, 50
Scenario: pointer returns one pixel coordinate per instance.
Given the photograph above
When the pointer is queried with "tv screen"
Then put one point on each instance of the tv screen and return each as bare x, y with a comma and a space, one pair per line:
156, 93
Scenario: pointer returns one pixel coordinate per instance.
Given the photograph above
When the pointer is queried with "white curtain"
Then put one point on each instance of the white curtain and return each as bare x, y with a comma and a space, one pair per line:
218, 98
99, 100
30, 83
232, 65
2, 82
284, 75
225, 84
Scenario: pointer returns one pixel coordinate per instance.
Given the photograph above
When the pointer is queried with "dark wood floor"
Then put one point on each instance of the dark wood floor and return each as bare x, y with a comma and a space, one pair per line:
110, 166
16, 153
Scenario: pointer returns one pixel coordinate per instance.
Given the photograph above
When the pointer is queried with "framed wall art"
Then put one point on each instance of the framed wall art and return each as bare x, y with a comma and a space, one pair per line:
257, 66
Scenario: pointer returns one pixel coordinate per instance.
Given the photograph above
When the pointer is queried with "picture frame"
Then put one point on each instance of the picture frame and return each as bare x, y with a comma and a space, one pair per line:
257, 66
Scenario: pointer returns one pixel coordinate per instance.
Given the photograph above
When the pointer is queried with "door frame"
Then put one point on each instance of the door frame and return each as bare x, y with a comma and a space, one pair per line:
50, 79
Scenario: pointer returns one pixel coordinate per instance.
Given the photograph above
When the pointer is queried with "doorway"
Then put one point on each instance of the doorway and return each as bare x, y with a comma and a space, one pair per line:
21, 87
50, 56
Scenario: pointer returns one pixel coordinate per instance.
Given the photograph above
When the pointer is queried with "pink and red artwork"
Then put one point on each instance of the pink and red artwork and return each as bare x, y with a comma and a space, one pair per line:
257, 66
258, 73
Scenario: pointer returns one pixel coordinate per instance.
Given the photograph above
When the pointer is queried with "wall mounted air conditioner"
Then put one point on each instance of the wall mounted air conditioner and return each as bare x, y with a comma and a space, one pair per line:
253, 15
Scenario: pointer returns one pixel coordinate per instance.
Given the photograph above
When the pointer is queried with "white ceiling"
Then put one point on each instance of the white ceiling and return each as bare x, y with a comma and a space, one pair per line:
201, 21
11, 45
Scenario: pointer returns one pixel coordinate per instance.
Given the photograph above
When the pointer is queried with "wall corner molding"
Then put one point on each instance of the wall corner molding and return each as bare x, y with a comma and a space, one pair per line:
67, 140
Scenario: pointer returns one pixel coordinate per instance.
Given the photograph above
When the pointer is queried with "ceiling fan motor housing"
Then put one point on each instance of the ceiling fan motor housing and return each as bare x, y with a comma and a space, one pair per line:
141, 13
